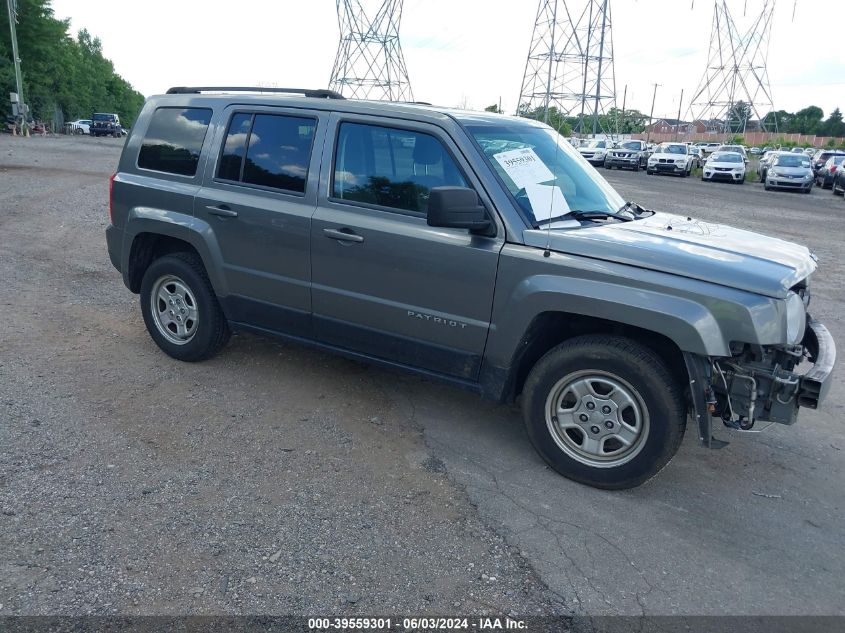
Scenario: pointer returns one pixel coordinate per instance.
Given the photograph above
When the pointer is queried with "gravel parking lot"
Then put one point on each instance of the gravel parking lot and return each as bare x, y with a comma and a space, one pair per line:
277, 479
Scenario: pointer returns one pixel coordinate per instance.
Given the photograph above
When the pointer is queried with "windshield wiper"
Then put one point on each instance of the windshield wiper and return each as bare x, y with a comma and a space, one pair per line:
634, 208
587, 215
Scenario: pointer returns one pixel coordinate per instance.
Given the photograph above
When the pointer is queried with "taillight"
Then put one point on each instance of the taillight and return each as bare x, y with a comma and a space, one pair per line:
111, 197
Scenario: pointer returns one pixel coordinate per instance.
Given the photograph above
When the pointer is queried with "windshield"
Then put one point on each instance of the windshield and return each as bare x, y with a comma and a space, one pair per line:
104, 117
597, 144
541, 170
792, 160
726, 157
672, 149
630, 145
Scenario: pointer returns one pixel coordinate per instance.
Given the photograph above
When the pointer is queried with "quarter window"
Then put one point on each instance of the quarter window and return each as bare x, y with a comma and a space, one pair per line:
389, 167
174, 140
268, 150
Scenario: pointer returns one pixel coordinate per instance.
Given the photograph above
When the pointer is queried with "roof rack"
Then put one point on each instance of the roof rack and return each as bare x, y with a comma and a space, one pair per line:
317, 94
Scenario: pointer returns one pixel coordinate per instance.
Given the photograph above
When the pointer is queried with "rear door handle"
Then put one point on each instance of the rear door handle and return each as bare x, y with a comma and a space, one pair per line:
222, 210
344, 235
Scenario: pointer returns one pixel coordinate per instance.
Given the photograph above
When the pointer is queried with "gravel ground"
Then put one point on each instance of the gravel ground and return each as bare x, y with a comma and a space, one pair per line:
272, 479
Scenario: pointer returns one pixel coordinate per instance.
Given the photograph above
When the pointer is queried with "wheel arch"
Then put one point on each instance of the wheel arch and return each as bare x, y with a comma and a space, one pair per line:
551, 328
148, 239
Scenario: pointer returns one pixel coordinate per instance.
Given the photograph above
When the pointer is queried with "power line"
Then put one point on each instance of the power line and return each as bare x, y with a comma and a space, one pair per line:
570, 62
736, 71
369, 62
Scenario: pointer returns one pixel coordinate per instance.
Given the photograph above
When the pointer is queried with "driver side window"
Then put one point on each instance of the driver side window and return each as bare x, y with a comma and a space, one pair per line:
391, 167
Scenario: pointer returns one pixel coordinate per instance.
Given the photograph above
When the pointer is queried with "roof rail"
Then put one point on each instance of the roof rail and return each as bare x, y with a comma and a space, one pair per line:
317, 94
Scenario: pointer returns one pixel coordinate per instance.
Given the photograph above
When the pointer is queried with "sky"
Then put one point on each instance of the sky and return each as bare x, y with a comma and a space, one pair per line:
458, 52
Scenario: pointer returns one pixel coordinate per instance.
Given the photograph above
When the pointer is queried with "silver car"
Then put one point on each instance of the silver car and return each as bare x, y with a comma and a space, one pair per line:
790, 171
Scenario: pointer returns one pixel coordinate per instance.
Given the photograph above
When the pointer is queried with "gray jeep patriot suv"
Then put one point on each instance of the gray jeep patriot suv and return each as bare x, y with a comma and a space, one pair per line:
474, 248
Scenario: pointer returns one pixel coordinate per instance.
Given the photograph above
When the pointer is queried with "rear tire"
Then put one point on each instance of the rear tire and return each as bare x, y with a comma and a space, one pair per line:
181, 280
604, 411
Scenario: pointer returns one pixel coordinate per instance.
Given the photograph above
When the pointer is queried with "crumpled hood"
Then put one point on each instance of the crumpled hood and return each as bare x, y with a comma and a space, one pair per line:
716, 253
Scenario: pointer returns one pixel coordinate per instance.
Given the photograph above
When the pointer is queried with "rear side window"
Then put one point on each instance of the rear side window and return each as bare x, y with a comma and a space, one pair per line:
269, 150
389, 167
174, 140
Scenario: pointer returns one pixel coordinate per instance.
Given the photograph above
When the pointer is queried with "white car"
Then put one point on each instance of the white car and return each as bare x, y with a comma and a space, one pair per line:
670, 158
726, 166
80, 126
595, 151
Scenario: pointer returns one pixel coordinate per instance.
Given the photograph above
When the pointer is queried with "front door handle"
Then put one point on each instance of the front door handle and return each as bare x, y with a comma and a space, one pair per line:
222, 210
344, 235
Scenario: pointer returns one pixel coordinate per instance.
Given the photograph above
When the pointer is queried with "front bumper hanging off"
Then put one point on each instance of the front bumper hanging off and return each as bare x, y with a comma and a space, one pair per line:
741, 393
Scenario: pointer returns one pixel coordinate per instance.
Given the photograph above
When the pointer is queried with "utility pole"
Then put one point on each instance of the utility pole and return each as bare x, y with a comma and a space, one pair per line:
624, 99
678, 126
651, 114
13, 14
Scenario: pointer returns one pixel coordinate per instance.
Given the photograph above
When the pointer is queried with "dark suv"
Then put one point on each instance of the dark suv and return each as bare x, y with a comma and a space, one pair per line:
105, 124
628, 154
472, 248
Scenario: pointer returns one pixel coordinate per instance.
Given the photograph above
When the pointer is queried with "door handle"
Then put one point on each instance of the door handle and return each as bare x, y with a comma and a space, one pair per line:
222, 210
344, 235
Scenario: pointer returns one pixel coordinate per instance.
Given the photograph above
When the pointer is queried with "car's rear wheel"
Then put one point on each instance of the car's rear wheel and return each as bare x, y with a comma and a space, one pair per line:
180, 309
604, 411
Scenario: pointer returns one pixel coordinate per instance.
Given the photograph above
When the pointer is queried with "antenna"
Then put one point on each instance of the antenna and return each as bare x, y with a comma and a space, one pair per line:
736, 84
570, 63
369, 62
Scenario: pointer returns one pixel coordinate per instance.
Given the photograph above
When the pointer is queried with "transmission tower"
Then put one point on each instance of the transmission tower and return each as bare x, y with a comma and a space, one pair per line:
369, 62
735, 85
570, 64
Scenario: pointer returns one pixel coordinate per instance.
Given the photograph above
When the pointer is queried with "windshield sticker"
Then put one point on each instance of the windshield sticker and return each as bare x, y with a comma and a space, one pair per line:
546, 202
524, 167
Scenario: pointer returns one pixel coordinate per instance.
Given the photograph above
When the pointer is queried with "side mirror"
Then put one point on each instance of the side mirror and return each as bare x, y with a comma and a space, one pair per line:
457, 208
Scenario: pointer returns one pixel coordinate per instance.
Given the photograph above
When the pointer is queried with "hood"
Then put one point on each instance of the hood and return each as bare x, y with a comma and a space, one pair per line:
668, 155
718, 163
692, 248
794, 171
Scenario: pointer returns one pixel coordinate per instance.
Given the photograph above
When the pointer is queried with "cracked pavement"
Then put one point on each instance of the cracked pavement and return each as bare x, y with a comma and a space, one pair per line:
755, 528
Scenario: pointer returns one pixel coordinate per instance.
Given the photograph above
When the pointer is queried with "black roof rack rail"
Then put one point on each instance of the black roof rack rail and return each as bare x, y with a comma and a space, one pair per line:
317, 94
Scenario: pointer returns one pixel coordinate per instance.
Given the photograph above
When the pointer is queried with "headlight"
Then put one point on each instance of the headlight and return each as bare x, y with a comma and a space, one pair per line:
772, 172
796, 319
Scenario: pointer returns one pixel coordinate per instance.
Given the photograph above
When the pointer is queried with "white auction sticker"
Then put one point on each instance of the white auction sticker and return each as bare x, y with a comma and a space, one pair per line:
524, 167
547, 202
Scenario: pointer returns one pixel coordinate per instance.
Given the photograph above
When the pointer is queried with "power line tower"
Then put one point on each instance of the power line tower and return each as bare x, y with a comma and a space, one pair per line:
369, 62
570, 64
735, 85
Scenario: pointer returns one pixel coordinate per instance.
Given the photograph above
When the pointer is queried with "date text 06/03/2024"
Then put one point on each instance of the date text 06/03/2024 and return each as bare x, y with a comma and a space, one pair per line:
417, 624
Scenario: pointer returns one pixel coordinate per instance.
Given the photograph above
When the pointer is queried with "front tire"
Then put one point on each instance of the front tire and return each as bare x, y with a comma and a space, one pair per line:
180, 309
604, 411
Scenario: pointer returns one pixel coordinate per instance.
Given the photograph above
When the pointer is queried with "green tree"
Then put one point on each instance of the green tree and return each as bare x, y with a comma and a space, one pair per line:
555, 117
833, 126
493, 108
806, 121
60, 73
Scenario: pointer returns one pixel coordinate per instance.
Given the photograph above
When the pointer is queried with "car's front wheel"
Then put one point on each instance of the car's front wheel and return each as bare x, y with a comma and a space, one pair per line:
604, 411
180, 309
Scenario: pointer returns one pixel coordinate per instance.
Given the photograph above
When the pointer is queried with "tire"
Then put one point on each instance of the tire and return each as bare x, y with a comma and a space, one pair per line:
741, 182
637, 167
182, 277
608, 166
652, 409
766, 187
649, 172
79, 131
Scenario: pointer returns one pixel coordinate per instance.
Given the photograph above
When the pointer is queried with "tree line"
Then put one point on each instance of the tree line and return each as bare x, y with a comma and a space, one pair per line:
808, 121
63, 77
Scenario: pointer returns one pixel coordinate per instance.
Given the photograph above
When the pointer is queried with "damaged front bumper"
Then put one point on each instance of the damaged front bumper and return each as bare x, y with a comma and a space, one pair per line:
762, 386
